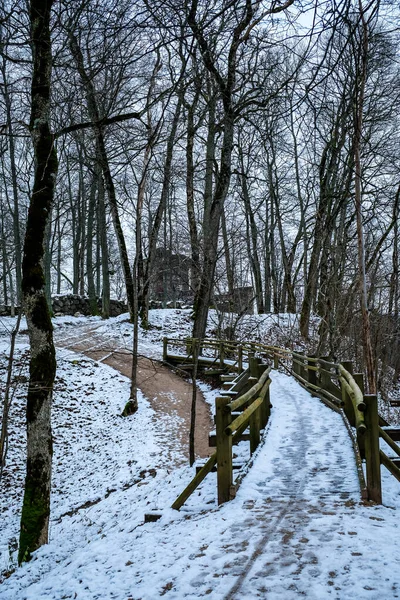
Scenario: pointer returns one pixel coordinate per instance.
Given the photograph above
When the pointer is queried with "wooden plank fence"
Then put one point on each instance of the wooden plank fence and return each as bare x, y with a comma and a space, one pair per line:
245, 402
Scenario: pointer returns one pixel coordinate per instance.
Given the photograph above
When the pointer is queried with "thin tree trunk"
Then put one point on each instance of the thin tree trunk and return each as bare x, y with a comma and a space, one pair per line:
47, 263
82, 225
36, 503
102, 228
194, 238
59, 249
192, 430
14, 180
8, 398
358, 125
252, 238
94, 309
210, 158
145, 288
228, 262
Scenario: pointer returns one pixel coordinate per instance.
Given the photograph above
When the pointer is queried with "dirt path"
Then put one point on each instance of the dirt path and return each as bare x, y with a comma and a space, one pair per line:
169, 395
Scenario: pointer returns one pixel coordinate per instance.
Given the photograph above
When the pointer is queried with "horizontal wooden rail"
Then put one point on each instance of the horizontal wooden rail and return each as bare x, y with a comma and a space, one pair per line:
385, 460
353, 389
389, 441
244, 417
235, 404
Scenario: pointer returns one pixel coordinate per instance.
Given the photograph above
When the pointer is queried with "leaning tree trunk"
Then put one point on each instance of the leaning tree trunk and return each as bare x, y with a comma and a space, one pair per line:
14, 180
36, 503
102, 236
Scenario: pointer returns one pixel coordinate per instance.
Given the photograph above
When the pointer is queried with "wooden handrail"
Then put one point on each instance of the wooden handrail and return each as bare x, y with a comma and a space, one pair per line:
389, 441
354, 391
244, 417
332, 382
235, 404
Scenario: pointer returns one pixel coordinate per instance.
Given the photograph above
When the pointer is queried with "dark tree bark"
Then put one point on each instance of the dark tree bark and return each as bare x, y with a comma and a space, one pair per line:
252, 236
361, 80
225, 87
36, 502
190, 205
102, 236
94, 309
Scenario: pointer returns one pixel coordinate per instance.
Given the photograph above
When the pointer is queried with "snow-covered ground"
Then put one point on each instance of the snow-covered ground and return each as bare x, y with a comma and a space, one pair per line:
296, 529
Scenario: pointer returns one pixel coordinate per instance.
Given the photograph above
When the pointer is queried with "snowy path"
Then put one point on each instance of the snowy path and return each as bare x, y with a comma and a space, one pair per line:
295, 530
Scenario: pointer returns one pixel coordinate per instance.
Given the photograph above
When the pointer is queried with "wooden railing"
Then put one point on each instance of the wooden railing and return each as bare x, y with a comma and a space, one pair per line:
335, 384
245, 404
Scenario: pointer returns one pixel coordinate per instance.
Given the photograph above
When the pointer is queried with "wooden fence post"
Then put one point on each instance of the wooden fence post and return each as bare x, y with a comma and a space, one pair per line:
240, 359
224, 449
298, 362
359, 379
311, 374
254, 423
348, 405
324, 377
253, 366
373, 461
221, 355
294, 364
165, 349
276, 361
265, 409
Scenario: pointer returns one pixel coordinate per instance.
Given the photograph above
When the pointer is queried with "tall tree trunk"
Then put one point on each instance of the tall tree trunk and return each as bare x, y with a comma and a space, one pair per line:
210, 156
102, 158
143, 301
59, 249
358, 126
394, 292
83, 209
252, 238
228, 261
203, 297
47, 262
194, 237
94, 309
102, 228
36, 503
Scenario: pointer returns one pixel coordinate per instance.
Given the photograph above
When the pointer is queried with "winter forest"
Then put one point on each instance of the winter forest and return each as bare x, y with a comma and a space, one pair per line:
193, 152
261, 142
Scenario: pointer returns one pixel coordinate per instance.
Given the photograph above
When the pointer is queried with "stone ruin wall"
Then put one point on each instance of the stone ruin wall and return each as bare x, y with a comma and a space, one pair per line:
72, 304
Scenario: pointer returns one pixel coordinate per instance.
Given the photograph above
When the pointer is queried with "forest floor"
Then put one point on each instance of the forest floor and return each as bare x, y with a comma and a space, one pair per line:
296, 529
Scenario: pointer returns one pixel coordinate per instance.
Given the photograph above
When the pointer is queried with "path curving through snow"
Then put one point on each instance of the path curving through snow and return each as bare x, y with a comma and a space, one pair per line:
169, 394
296, 528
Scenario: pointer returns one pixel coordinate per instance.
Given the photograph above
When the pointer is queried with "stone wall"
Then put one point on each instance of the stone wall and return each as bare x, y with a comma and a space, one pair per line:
71, 304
